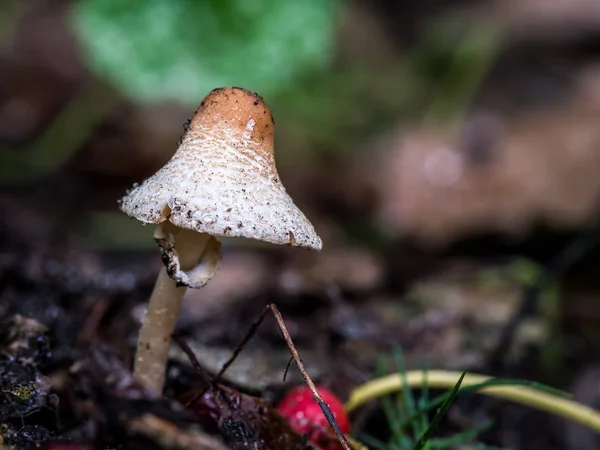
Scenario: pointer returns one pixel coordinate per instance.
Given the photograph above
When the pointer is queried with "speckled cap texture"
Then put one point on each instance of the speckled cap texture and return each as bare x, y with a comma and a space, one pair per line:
222, 180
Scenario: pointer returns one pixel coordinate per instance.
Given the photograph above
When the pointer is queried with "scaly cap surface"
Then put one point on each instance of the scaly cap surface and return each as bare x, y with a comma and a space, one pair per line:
222, 180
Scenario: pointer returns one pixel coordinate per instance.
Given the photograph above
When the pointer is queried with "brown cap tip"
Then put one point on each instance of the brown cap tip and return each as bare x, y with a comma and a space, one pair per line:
234, 107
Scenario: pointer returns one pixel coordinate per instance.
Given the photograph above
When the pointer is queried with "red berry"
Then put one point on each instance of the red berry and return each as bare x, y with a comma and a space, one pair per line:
305, 416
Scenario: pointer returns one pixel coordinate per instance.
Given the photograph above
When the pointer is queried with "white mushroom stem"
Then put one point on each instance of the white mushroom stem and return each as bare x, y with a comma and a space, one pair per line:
190, 250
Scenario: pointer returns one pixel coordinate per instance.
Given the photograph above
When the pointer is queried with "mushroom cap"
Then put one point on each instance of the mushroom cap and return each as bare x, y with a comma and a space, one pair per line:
222, 179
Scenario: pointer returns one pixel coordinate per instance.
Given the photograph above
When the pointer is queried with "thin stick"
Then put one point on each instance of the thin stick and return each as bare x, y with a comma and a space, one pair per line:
211, 384
249, 335
326, 411
286, 335
196, 364
185, 348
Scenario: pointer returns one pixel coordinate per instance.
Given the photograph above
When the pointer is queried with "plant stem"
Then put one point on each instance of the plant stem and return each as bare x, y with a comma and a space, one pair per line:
528, 396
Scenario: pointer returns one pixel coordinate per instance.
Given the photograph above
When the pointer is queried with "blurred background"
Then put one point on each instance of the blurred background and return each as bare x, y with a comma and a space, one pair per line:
447, 151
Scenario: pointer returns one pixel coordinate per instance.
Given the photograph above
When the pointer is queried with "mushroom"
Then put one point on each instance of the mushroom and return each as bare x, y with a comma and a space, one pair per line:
221, 181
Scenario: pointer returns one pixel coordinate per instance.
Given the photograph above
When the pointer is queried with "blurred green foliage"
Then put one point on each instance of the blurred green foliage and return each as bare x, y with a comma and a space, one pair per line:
10, 13
524, 273
152, 50
164, 49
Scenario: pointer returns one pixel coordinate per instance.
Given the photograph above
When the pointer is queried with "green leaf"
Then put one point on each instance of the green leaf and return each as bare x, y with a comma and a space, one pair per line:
181, 49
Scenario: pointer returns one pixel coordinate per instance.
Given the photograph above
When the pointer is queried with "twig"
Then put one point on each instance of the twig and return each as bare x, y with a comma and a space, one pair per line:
185, 348
326, 411
242, 345
286, 335
206, 377
89, 331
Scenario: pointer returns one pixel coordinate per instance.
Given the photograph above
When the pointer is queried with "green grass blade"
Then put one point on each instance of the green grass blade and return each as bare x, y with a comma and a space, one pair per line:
376, 444
393, 416
422, 401
460, 438
439, 414
409, 399
407, 393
